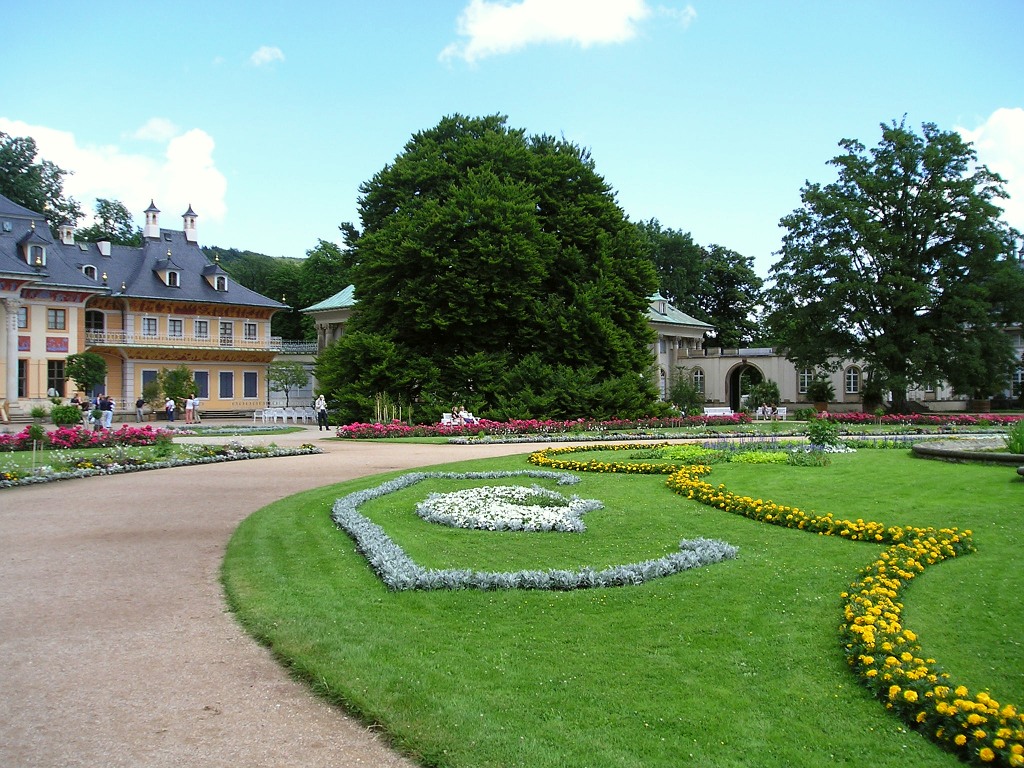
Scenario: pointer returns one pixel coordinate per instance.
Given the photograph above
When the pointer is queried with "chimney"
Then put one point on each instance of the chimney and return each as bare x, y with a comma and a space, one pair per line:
189, 224
152, 228
104, 246
67, 234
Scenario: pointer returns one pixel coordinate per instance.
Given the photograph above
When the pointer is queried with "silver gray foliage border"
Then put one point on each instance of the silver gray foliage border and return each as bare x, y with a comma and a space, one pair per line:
399, 572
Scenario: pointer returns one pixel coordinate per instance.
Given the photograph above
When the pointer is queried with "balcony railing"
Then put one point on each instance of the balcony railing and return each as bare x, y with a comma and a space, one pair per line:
288, 347
131, 339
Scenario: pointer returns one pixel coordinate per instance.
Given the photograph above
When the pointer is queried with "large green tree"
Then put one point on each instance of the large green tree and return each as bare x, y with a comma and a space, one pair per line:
482, 247
37, 185
113, 223
715, 285
904, 263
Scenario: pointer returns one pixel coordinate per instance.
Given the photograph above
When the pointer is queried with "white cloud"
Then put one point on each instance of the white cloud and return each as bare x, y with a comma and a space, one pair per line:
156, 129
493, 27
999, 142
180, 173
266, 54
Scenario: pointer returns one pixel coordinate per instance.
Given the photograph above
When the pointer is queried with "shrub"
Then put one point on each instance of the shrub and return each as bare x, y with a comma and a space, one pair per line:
1015, 438
66, 415
823, 432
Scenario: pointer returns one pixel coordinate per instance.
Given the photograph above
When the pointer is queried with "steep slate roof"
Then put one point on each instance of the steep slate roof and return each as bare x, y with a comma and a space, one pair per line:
343, 299
135, 268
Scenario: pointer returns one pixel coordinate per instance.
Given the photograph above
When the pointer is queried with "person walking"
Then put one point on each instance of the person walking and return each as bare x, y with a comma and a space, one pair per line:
320, 406
106, 405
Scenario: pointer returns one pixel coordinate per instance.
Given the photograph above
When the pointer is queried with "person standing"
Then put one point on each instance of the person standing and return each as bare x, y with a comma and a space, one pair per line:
320, 406
190, 409
139, 405
169, 408
106, 405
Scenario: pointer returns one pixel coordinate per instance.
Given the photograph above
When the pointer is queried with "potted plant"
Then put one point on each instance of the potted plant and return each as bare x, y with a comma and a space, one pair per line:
820, 392
66, 415
38, 413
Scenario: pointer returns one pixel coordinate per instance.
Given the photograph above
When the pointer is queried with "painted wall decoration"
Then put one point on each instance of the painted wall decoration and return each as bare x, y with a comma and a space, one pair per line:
57, 344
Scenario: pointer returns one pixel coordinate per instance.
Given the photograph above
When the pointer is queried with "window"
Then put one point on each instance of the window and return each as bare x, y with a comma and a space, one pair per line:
23, 378
56, 320
22, 318
227, 385
37, 256
202, 380
804, 380
173, 280
220, 283
698, 379
148, 376
149, 326
94, 320
662, 345
1018, 383
249, 384
202, 329
852, 380
175, 328
227, 333
250, 331
55, 376
89, 271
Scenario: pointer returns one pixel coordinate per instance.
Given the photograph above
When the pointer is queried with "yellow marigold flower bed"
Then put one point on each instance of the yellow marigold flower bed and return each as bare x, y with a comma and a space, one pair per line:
882, 652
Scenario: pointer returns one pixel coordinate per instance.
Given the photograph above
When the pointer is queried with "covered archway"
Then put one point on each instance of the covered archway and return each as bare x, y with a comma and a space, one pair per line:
741, 377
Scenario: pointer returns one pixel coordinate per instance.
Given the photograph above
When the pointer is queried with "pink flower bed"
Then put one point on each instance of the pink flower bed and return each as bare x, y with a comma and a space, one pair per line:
79, 437
361, 431
926, 419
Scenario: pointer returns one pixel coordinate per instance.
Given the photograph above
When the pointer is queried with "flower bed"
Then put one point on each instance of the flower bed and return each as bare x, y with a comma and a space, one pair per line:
92, 467
507, 508
79, 437
926, 419
883, 653
399, 572
362, 431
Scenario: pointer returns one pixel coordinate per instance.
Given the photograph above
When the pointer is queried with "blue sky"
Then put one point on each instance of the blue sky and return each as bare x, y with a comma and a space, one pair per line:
709, 116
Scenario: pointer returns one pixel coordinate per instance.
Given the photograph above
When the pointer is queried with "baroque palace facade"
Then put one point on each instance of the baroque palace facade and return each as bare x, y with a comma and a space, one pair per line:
142, 309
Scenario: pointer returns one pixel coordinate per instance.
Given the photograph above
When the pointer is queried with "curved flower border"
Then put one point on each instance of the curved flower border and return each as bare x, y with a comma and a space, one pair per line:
884, 654
399, 572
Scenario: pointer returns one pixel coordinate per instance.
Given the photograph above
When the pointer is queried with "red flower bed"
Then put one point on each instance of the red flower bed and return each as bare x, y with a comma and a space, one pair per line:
79, 437
361, 431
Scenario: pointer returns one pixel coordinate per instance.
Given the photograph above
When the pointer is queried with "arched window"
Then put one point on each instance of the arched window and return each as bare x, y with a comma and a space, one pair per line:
89, 271
173, 280
698, 379
852, 380
37, 256
221, 283
94, 320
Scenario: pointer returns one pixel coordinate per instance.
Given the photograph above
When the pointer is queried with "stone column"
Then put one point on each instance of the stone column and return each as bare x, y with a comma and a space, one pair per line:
11, 306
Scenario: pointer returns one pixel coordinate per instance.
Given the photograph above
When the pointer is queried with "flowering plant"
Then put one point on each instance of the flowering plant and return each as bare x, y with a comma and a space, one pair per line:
507, 508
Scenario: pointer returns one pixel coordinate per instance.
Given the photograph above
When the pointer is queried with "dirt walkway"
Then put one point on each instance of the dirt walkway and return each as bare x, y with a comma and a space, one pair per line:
117, 648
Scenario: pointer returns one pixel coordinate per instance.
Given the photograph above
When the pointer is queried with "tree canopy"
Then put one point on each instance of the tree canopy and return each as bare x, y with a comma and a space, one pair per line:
903, 263
36, 185
114, 223
497, 271
714, 285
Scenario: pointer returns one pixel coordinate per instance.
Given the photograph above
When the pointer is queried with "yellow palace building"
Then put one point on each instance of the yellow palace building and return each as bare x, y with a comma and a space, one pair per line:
142, 309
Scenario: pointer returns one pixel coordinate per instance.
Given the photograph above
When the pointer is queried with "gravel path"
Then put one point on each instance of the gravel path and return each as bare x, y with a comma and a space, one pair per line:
117, 648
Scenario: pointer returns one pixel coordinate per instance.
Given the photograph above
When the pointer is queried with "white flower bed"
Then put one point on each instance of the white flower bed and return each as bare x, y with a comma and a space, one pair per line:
399, 572
506, 508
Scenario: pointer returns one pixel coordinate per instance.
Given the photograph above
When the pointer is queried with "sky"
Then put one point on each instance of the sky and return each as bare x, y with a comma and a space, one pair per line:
708, 115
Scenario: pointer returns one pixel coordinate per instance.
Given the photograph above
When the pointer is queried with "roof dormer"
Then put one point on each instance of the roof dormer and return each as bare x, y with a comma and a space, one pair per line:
33, 248
216, 276
168, 271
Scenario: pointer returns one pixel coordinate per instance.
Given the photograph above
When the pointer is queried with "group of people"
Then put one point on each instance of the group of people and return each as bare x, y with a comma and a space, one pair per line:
103, 403
170, 407
768, 411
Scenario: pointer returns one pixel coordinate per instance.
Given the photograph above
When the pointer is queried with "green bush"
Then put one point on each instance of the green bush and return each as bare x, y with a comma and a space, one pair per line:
823, 432
1015, 438
66, 415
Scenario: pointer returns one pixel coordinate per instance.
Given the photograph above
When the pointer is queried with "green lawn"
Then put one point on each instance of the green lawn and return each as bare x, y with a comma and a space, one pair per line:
735, 664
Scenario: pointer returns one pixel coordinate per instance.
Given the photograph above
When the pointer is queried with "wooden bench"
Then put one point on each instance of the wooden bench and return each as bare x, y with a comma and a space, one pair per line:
718, 411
